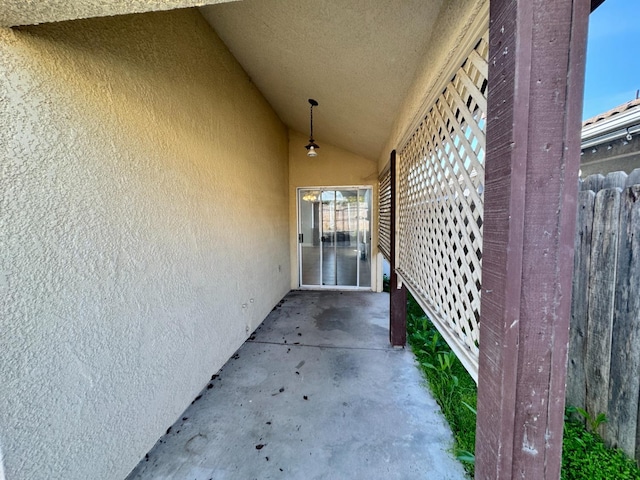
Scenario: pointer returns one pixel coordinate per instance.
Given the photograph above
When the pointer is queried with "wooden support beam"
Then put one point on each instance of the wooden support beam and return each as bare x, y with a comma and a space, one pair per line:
397, 296
536, 81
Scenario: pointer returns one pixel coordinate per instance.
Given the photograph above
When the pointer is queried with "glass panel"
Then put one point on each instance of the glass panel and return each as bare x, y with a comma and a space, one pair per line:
347, 237
364, 237
309, 241
335, 237
328, 238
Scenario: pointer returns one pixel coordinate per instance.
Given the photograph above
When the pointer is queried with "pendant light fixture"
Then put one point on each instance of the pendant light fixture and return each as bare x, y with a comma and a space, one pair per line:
312, 147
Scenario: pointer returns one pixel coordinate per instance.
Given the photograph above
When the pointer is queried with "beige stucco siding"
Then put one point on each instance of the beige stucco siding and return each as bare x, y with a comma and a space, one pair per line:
143, 233
15, 12
332, 167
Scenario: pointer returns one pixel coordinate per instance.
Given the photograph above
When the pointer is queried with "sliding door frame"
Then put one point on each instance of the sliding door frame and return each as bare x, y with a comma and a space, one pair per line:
359, 189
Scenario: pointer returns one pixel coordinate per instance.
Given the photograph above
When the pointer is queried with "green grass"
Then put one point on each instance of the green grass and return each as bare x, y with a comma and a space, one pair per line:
585, 457
451, 385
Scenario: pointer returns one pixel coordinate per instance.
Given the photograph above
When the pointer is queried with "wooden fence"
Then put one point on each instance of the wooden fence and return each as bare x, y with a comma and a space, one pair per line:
604, 349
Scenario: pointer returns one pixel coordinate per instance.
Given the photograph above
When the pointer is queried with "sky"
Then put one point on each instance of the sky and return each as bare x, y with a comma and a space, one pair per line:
613, 64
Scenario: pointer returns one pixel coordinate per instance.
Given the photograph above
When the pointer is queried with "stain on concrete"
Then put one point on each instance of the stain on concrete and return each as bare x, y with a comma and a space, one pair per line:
250, 377
196, 444
345, 366
336, 318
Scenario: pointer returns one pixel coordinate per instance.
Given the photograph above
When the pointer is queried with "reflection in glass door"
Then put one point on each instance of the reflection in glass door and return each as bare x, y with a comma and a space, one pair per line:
334, 237
328, 238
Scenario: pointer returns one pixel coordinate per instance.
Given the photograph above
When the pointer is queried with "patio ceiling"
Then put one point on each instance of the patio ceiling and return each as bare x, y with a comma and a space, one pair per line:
358, 59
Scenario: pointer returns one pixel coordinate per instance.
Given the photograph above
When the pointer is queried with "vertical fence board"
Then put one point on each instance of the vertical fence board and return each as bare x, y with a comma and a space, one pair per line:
615, 180
593, 183
602, 279
604, 350
576, 380
633, 178
624, 383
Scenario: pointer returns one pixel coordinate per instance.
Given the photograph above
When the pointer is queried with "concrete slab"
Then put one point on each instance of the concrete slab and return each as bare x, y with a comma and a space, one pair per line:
315, 393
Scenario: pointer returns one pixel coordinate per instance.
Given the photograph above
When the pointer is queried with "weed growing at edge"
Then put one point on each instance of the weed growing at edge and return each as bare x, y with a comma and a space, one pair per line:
451, 385
585, 457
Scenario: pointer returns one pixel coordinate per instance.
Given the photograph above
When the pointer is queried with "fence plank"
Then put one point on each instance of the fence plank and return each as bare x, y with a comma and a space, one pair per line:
593, 182
615, 180
602, 277
624, 383
633, 178
576, 381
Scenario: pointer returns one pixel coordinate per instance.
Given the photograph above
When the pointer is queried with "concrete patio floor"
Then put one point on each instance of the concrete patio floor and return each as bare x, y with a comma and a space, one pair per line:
315, 393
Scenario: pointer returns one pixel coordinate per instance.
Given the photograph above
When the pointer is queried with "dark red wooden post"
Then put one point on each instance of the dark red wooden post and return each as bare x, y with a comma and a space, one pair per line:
397, 296
536, 79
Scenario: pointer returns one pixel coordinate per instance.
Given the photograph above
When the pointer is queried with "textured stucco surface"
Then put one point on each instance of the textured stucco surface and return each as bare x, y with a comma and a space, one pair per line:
332, 167
143, 233
357, 58
31, 12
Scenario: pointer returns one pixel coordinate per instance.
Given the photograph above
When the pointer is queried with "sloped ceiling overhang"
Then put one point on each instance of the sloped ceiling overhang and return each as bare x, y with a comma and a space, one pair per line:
357, 58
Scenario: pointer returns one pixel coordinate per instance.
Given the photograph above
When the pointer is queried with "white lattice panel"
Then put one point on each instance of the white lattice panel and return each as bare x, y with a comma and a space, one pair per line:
440, 207
384, 215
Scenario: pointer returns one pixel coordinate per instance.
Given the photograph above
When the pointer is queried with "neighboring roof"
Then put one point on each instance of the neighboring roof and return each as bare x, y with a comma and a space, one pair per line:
614, 111
621, 121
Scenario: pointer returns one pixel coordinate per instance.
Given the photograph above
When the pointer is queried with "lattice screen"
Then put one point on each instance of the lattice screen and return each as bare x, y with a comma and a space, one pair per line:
440, 207
384, 212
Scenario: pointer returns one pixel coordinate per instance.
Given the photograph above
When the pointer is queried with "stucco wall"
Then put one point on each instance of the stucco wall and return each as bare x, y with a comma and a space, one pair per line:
143, 233
15, 12
332, 167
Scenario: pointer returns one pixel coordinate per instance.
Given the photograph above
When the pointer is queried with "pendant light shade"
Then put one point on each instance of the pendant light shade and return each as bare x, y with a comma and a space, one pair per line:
312, 147
312, 151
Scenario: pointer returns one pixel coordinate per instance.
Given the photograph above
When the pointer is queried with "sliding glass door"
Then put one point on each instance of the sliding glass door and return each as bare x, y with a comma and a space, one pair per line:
334, 237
